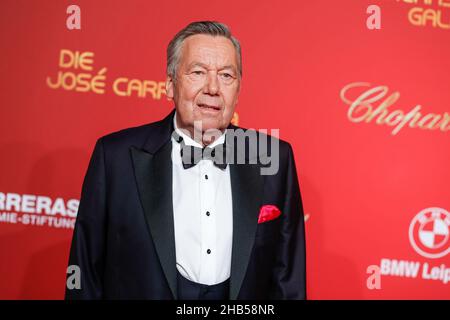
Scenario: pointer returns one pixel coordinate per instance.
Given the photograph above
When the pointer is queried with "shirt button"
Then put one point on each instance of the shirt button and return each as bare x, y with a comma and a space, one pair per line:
206, 176
208, 251
207, 213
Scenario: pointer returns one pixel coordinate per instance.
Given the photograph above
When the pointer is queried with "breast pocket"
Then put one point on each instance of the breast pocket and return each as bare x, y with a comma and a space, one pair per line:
269, 229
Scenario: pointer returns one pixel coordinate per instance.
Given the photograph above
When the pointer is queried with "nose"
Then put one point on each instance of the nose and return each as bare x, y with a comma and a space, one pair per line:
212, 84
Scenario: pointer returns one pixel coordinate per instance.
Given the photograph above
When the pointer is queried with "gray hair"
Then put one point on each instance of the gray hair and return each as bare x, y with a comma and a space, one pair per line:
212, 28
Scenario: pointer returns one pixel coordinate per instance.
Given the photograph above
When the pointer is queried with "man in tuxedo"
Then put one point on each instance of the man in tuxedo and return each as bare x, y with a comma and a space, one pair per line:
177, 209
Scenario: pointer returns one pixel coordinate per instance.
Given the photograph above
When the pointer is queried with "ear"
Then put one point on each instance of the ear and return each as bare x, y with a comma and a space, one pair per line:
169, 88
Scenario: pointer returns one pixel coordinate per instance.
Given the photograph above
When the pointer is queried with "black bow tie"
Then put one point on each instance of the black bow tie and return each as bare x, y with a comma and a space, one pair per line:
191, 155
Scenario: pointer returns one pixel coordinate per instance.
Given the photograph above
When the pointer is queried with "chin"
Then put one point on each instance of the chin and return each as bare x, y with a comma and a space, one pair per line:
212, 123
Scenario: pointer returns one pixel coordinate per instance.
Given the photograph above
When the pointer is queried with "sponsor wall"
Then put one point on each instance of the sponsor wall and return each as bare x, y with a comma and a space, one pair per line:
366, 111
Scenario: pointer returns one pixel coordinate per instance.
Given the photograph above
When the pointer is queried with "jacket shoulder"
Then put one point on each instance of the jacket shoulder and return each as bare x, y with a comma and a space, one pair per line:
284, 147
132, 136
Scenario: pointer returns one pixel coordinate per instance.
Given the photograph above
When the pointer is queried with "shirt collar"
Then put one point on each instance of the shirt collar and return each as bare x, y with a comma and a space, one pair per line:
191, 142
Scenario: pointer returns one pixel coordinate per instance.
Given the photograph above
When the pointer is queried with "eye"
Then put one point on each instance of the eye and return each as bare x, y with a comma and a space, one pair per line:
197, 72
227, 76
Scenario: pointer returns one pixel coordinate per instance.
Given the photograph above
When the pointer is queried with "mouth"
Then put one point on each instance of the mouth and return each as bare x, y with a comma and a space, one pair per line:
208, 107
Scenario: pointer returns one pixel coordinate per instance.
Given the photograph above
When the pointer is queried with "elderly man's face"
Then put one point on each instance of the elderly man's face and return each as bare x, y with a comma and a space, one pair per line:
207, 84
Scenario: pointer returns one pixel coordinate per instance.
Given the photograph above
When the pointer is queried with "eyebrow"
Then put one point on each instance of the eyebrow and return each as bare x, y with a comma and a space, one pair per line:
199, 64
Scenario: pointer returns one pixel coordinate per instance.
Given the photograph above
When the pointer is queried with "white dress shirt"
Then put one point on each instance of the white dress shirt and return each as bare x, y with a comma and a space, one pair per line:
203, 217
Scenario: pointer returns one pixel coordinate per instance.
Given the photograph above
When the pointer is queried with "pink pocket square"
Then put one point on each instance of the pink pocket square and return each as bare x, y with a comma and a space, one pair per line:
268, 212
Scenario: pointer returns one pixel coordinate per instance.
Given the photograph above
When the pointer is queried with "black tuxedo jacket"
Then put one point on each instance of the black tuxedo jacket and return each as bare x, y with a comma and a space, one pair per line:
123, 240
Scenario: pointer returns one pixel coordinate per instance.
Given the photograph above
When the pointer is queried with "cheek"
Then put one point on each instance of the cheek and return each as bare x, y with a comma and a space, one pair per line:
230, 97
190, 90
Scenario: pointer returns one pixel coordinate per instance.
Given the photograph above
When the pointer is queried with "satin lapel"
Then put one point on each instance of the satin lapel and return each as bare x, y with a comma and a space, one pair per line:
154, 180
247, 190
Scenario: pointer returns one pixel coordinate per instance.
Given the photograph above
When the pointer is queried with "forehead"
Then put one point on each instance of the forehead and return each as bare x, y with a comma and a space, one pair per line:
210, 50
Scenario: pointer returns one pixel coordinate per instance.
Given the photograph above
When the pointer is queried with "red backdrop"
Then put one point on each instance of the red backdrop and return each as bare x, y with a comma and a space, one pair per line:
374, 193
